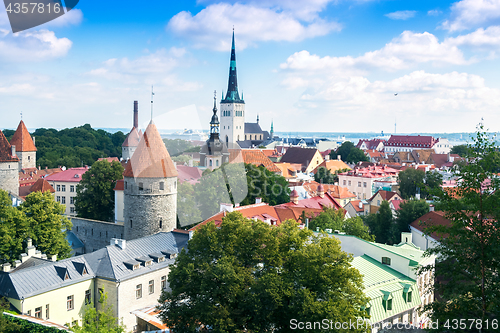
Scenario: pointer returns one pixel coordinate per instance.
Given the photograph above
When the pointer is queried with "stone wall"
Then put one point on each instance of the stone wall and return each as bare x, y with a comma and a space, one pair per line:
9, 177
27, 159
149, 206
96, 234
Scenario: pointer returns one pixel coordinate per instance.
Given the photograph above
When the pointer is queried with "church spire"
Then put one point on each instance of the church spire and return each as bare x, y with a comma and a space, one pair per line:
214, 123
232, 86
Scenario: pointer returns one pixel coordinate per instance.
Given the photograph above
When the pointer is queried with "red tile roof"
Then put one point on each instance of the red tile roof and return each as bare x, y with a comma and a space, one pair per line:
413, 141
109, 159
42, 185
355, 205
316, 202
252, 156
151, 158
188, 174
6, 150
397, 203
386, 195
132, 139
120, 185
71, 175
22, 139
29, 176
431, 219
338, 192
370, 144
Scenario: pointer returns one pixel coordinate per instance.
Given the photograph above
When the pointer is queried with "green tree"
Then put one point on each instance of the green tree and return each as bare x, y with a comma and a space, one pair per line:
461, 150
408, 212
349, 153
99, 321
176, 147
187, 209
409, 180
262, 183
95, 198
468, 280
247, 276
356, 227
13, 229
7, 326
324, 176
433, 180
46, 224
381, 224
329, 218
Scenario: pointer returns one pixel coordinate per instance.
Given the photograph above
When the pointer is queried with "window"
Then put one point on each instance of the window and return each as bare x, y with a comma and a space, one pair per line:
389, 304
151, 286
38, 312
344, 182
29, 312
69, 303
72, 210
130, 227
47, 311
378, 202
408, 297
58, 188
161, 223
72, 188
386, 260
359, 184
71, 200
210, 163
58, 198
88, 297
364, 184
63, 200
164, 282
217, 161
141, 186
63, 188
349, 183
138, 291
162, 186
125, 185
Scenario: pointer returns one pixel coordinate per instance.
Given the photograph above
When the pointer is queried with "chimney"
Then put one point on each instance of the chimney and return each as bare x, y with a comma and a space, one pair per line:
13, 147
338, 158
406, 237
33, 138
191, 233
307, 222
360, 205
53, 257
431, 208
320, 191
6, 267
122, 243
327, 157
136, 115
258, 200
226, 207
294, 197
113, 241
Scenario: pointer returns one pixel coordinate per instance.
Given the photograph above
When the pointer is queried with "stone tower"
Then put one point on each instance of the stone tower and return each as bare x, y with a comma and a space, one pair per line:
25, 147
132, 141
9, 166
214, 152
232, 108
150, 188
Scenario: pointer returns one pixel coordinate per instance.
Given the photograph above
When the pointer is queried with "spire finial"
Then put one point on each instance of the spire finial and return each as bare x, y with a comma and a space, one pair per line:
21, 115
215, 101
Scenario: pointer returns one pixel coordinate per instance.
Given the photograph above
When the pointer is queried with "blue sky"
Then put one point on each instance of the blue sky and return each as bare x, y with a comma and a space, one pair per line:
316, 65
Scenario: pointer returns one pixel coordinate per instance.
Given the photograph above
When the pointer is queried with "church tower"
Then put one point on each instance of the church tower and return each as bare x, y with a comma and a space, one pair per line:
214, 153
232, 108
150, 188
25, 147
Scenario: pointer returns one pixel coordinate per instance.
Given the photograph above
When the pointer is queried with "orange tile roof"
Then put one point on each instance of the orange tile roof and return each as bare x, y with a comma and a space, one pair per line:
252, 156
386, 195
109, 159
355, 205
120, 185
338, 192
151, 158
333, 165
287, 169
133, 138
42, 185
22, 139
6, 150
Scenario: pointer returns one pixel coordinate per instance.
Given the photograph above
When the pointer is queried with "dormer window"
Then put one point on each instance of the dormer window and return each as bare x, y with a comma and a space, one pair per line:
386, 261
136, 266
84, 272
66, 276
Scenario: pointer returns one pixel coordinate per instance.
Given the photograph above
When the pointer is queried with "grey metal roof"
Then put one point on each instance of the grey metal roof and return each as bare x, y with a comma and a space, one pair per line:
252, 128
37, 276
73, 240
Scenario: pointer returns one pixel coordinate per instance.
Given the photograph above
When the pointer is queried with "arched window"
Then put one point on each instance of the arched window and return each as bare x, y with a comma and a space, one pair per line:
161, 223
210, 163
216, 162
227, 139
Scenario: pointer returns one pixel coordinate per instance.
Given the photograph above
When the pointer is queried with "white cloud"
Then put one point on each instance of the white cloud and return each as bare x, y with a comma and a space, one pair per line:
401, 15
405, 51
32, 46
211, 26
434, 12
468, 14
73, 17
482, 39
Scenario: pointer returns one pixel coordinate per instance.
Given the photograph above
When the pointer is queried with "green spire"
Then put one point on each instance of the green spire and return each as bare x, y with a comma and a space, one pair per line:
232, 86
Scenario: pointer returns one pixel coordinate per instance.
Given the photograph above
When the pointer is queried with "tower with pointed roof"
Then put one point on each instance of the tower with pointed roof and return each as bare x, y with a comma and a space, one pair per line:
9, 166
150, 188
214, 152
132, 141
232, 107
25, 147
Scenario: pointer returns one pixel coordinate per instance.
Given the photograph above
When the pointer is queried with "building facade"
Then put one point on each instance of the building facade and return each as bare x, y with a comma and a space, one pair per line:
9, 166
65, 183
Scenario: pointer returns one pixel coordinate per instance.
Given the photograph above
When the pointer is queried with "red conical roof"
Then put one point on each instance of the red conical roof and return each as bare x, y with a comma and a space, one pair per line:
294, 194
151, 158
42, 185
22, 139
6, 150
132, 139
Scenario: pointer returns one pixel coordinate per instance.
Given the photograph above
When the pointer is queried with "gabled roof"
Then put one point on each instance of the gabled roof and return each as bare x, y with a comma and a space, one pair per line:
42, 185
252, 128
355, 205
332, 165
6, 150
300, 155
22, 139
151, 158
386, 195
431, 219
132, 139
252, 156
397, 204
414, 141
370, 144
336, 191
316, 202
70, 175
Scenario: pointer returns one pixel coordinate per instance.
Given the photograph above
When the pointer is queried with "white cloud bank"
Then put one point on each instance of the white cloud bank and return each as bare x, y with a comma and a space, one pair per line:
211, 26
401, 15
469, 14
